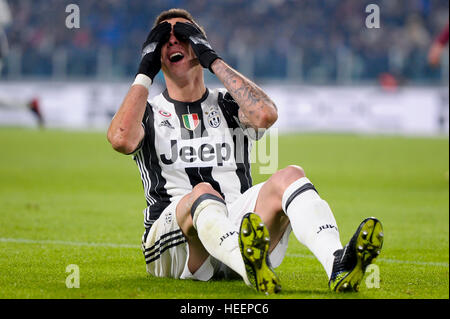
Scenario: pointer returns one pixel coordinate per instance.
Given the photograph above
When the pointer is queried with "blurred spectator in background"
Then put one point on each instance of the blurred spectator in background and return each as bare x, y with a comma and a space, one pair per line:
434, 59
5, 19
437, 48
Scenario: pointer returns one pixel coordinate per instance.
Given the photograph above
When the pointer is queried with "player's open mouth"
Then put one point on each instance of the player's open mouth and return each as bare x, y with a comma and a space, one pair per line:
175, 57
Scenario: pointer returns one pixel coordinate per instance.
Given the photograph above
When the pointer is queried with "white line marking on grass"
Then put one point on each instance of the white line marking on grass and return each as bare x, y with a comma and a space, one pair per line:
112, 245
411, 262
389, 261
61, 242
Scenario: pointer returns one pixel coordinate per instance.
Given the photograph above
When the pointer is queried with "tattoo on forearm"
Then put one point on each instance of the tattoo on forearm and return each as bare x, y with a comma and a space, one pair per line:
247, 94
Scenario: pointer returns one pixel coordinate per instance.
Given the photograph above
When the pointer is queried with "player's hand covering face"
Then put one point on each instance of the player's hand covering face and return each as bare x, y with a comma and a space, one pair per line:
151, 49
198, 41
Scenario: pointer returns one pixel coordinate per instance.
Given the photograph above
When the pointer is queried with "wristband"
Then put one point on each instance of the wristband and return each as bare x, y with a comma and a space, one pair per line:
143, 80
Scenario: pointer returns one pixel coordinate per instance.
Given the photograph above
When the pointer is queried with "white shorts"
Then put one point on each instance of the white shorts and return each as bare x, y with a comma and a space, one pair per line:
166, 249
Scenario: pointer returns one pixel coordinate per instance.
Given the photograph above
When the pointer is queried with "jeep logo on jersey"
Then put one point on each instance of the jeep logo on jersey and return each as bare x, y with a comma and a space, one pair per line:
214, 119
192, 156
190, 121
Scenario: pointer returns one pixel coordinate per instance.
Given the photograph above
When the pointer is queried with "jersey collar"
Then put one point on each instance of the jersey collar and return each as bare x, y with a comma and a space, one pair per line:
168, 98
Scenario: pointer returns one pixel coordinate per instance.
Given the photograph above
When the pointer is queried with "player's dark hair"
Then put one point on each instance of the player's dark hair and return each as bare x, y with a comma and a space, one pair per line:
177, 13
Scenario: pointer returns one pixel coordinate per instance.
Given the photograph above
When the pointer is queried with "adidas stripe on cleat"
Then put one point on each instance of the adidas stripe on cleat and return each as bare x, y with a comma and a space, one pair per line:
254, 242
350, 263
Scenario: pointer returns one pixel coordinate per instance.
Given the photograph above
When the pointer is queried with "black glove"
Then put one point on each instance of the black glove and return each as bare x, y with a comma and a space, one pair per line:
199, 43
151, 49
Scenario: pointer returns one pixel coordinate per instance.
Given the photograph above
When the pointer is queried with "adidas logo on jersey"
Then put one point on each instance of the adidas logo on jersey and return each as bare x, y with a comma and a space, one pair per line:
166, 123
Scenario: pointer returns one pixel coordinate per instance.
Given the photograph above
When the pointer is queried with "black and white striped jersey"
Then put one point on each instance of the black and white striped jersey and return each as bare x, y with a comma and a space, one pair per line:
189, 143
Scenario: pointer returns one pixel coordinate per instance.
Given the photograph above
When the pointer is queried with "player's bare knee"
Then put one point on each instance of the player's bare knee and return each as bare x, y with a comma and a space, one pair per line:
201, 189
295, 171
184, 207
290, 174
184, 219
286, 176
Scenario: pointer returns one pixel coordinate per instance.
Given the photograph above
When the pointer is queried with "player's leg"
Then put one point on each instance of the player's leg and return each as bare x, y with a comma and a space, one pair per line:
289, 193
288, 197
203, 219
197, 252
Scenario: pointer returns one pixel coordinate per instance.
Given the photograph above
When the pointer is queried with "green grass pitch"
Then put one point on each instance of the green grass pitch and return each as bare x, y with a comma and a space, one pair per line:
68, 198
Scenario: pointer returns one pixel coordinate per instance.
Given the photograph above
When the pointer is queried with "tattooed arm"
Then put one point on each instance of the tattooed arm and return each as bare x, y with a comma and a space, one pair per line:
256, 109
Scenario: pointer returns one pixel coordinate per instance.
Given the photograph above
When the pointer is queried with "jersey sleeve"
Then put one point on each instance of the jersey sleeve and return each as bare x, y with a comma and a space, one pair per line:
230, 109
145, 126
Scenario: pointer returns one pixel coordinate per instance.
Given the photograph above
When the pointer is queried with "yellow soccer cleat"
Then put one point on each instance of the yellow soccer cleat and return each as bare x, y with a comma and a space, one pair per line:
254, 242
350, 263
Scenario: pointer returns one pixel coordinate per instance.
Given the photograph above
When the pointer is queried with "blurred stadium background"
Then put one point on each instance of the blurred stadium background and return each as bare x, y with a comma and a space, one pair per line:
321, 64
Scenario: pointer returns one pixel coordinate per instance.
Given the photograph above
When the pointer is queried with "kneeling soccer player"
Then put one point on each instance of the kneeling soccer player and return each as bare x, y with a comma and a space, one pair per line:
192, 146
